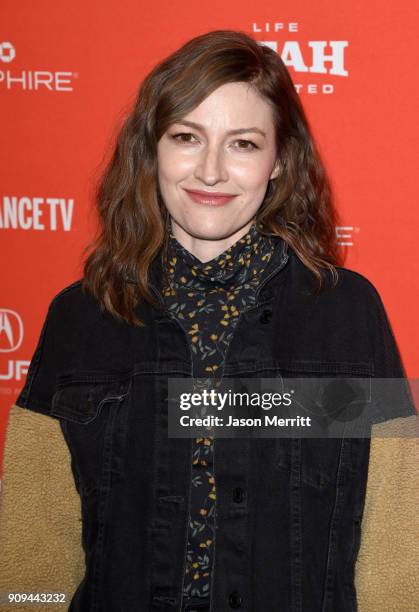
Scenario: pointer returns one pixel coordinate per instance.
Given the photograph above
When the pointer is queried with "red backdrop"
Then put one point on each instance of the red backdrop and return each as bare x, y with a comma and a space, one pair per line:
69, 72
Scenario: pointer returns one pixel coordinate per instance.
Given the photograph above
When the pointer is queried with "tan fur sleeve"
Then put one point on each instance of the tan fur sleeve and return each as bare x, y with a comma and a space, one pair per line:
40, 514
386, 573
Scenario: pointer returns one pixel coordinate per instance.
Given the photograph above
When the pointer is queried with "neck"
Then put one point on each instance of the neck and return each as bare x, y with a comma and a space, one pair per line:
206, 249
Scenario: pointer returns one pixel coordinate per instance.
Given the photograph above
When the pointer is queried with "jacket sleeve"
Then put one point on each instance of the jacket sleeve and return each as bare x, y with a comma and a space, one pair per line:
40, 515
386, 568
391, 393
39, 387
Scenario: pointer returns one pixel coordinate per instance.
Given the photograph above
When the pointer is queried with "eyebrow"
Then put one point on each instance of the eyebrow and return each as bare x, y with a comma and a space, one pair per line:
197, 126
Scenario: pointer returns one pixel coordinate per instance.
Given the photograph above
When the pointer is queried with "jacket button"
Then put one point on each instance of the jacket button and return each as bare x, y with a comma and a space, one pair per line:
266, 316
235, 600
238, 495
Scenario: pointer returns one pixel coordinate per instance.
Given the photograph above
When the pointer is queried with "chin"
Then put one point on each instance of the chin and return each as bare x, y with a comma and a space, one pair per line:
210, 231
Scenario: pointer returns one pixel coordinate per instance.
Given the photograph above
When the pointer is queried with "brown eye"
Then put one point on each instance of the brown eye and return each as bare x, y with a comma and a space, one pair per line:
178, 137
247, 142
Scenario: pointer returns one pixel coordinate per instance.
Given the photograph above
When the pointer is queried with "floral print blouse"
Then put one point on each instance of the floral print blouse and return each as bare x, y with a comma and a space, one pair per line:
207, 298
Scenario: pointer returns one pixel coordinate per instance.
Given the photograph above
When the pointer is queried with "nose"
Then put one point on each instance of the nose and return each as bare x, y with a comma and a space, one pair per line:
211, 167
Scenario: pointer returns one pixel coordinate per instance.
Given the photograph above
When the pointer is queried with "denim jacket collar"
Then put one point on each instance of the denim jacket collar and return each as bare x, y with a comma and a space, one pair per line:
277, 262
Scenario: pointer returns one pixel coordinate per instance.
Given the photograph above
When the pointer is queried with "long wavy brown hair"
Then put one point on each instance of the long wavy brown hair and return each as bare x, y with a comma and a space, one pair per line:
133, 219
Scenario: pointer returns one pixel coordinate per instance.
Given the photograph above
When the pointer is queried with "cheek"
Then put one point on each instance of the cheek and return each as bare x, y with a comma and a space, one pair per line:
253, 185
253, 175
171, 164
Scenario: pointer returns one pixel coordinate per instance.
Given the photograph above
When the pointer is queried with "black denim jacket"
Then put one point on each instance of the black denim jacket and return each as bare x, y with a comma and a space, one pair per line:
290, 540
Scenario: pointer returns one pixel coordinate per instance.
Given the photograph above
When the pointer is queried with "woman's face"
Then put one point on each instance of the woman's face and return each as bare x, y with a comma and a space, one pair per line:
209, 157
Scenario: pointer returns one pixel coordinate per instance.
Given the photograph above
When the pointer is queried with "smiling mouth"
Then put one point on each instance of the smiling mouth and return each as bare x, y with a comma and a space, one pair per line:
208, 198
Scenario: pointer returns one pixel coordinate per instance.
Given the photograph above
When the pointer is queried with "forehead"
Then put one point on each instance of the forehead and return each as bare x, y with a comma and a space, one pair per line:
231, 105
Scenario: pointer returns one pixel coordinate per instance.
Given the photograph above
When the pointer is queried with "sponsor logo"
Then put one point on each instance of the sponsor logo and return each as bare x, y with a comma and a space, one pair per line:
313, 57
345, 234
31, 79
13, 371
36, 213
7, 52
11, 338
11, 330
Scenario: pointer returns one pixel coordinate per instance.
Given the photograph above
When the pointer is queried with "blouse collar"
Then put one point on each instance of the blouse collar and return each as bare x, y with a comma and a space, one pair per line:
238, 264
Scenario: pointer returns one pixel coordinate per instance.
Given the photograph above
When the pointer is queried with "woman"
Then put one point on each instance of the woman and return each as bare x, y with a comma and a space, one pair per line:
216, 258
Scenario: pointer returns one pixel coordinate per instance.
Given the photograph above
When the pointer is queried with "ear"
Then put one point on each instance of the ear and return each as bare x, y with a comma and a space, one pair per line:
276, 170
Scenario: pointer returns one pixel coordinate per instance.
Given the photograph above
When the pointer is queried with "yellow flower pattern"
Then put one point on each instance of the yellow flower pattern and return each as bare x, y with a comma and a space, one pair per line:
207, 299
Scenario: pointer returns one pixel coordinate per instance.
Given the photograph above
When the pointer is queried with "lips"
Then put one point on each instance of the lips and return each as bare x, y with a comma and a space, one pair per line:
208, 198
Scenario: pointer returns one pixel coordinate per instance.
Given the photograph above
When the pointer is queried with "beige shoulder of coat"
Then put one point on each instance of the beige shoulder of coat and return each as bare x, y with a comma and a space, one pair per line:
40, 512
387, 566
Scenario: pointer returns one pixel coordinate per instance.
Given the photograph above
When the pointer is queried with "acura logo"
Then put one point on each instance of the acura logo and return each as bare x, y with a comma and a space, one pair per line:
11, 330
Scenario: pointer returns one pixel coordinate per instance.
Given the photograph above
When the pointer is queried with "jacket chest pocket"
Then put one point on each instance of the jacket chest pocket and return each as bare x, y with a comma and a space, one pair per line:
93, 413
318, 460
